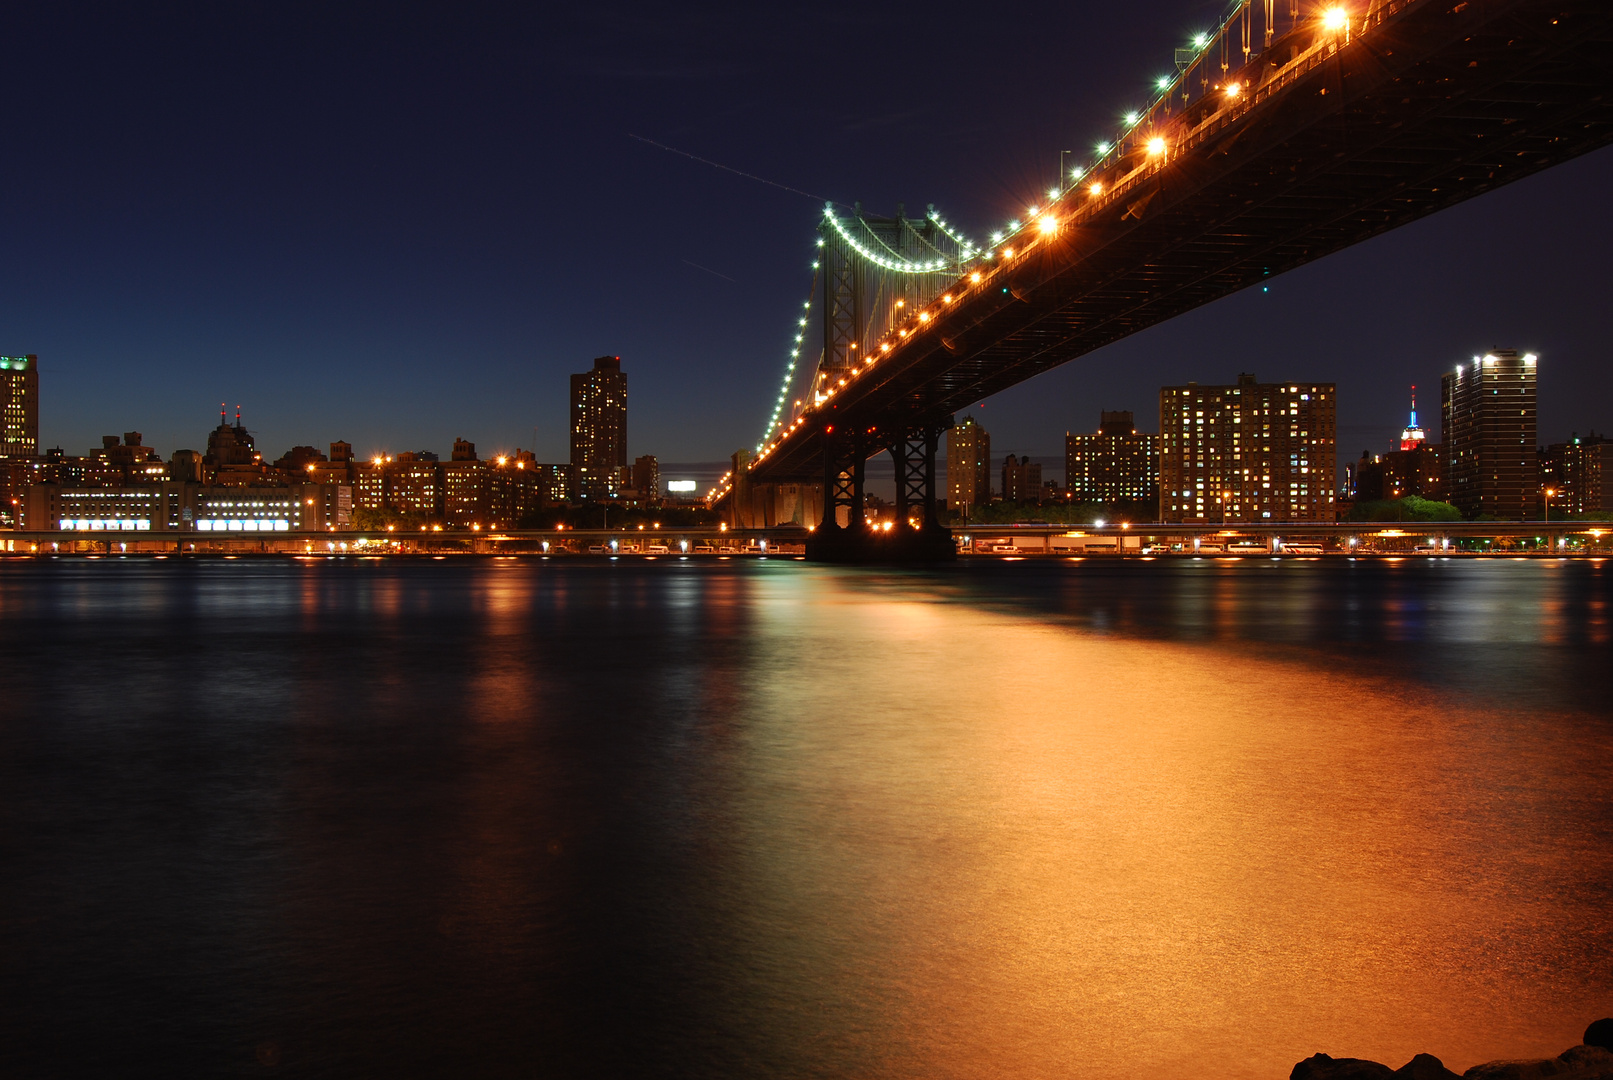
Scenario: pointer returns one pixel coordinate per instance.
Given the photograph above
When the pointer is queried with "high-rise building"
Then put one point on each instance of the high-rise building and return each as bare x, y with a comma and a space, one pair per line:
968, 466
1117, 464
1252, 451
414, 484
1022, 479
1576, 473
599, 428
19, 406
1488, 408
1397, 474
646, 478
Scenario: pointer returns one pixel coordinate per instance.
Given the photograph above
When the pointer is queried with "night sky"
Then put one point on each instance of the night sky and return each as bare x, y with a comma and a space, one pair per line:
398, 225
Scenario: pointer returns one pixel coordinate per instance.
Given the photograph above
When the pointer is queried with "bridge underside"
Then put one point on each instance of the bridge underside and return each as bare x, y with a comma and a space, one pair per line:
1440, 102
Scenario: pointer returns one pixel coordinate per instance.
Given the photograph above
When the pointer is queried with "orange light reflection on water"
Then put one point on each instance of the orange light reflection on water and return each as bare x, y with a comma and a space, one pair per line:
1017, 849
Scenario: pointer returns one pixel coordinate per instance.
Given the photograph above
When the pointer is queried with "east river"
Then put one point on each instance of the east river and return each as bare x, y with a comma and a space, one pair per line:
491, 818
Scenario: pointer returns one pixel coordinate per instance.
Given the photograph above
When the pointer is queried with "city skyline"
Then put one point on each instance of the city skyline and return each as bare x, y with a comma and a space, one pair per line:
126, 289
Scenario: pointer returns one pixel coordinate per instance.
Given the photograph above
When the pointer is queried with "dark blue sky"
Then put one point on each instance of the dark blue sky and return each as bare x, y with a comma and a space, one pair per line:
396, 225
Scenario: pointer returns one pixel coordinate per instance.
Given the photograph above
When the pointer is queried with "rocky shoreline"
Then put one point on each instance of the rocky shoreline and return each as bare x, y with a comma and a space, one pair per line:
1590, 1060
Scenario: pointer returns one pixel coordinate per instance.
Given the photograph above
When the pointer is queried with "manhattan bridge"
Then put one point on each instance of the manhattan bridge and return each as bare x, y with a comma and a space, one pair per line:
1293, 130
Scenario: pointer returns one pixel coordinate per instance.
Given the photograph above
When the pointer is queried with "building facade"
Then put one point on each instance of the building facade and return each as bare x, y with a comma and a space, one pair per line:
1116, 464
1022, 479
1576, 473
1250, 451
968, 466
646, 479
19, 406
599, 428
1491, 463
176, 506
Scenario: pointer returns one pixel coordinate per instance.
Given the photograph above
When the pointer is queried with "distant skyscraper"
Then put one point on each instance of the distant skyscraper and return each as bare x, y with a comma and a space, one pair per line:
968, 466
1412, 436
1251, 452
1491, 463
19, 406
599, 427
1117, 464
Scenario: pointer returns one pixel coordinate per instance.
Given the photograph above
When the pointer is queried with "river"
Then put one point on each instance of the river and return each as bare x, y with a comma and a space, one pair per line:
580, 817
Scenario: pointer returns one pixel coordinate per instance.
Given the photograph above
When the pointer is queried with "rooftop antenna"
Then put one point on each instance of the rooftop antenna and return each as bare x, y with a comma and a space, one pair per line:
223, 414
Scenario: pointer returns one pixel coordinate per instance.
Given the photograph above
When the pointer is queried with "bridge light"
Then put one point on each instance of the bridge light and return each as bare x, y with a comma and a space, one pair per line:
1031, 213
975, 277
1234, 89
1131, 118
1335, 18
924, 316
1096, 188
1200, 40
1156, 146
885, 347
996, 238
947, 299
1049, 225
1163, 82
1008, 253
1103, 148
1052, 193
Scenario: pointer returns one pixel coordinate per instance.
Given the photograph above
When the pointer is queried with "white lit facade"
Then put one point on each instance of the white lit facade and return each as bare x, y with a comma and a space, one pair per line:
1247, 452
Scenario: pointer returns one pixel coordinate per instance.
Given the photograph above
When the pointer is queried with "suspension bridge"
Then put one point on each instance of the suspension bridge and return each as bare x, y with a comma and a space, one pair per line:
1293, 130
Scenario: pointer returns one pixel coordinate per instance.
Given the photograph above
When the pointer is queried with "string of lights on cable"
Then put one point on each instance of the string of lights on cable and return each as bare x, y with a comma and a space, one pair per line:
1212, 86
777, 418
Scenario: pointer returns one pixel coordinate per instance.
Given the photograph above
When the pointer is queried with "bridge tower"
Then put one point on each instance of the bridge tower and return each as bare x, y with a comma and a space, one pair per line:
876, 272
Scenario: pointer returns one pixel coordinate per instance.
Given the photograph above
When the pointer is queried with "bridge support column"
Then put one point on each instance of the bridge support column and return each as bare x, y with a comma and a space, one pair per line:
916, 536
844, 463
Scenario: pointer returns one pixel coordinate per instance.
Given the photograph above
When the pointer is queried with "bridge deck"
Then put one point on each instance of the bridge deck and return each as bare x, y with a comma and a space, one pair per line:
1435, 102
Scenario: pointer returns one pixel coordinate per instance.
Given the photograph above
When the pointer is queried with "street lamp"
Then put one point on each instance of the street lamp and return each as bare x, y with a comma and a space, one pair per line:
1549, 493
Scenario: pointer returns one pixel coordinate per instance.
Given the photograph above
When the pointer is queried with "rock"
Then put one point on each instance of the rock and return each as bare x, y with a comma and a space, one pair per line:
1586, 1063
1322, 1067
1425, 1067
1600, 1033
1537, 1069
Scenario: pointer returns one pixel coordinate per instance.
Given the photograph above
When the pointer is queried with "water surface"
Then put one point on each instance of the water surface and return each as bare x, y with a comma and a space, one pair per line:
591, 818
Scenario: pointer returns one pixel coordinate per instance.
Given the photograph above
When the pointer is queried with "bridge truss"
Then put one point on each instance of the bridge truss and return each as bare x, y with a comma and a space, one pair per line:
1284, 136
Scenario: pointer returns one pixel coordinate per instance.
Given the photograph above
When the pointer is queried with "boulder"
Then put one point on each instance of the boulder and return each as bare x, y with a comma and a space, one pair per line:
1600, 1033
1586, 1063
1425, 1067
1322, 1067
1575, 1063
1535, 1069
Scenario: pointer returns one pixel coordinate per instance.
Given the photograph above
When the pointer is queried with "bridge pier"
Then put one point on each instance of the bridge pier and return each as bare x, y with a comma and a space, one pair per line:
917, 535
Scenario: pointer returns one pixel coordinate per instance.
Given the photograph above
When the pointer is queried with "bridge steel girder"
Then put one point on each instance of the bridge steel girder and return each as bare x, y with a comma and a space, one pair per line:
1442, 101
844, 468
913, 453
